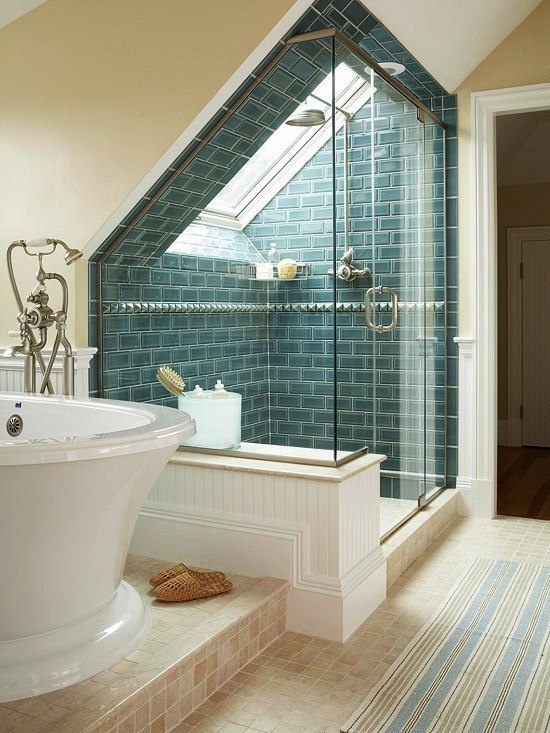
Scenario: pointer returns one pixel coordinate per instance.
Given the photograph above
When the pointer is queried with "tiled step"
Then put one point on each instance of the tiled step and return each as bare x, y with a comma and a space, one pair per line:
407, 543
192, 649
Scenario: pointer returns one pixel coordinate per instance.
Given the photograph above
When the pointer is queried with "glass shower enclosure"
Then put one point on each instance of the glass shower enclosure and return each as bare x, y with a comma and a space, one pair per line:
354, 355
369, 316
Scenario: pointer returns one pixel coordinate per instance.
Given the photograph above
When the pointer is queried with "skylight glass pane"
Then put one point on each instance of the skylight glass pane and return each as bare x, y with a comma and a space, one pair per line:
259, 164
285, 139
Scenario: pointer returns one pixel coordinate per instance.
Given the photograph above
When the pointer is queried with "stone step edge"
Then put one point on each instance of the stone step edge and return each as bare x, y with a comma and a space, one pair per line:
173, 695
407, 543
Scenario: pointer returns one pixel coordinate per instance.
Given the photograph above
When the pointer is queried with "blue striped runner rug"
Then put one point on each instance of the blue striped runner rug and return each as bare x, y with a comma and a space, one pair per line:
480, 665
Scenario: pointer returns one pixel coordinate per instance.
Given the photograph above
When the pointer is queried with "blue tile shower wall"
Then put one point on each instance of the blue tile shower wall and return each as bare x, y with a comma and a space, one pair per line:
147, 325
182, 192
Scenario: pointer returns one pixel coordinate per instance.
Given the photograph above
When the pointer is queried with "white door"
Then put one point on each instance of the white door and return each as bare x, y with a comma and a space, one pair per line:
536, 342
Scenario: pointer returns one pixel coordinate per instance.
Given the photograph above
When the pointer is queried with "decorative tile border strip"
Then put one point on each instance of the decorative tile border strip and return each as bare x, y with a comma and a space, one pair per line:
145, 307
159, 307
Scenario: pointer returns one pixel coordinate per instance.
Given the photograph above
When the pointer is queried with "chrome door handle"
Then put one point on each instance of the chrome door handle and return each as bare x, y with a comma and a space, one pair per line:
379, 328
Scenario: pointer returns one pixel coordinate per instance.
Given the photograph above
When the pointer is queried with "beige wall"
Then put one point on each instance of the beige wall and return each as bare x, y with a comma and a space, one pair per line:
521, 59
91, 96
518, 206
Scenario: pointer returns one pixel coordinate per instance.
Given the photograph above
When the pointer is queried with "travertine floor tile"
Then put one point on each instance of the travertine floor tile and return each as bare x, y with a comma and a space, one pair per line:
305, 685
125, 700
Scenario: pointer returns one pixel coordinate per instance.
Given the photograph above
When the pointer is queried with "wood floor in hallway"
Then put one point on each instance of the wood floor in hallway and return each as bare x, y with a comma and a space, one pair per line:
524, 482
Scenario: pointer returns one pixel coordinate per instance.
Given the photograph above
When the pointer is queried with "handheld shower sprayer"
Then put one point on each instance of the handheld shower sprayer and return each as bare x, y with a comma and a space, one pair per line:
37, 317
70, 256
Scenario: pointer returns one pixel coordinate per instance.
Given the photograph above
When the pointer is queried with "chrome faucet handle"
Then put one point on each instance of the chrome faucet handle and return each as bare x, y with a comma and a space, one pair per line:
346, 271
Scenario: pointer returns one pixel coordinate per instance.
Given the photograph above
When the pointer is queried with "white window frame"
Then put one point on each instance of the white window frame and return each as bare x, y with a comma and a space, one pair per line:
286, 167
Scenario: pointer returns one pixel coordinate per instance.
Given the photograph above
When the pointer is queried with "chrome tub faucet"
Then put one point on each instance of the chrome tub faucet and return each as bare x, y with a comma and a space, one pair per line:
36, 317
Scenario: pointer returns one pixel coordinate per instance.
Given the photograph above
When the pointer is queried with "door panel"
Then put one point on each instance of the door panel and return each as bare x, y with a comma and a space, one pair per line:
536, 343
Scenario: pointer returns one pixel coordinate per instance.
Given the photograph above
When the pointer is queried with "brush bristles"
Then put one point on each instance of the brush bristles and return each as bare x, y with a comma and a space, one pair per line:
171, 380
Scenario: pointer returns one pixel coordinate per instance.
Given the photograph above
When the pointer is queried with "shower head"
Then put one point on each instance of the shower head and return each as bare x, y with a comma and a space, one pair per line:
307, 118
392, 67
71, 255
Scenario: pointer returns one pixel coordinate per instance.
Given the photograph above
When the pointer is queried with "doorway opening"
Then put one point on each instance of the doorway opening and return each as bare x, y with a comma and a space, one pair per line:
523, 220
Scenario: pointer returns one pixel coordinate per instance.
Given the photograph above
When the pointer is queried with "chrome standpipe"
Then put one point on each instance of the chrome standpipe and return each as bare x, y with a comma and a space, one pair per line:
38, 317
346, 271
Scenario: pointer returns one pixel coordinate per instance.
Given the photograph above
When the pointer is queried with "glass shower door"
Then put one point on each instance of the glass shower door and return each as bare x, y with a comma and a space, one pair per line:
394, 304
390, 326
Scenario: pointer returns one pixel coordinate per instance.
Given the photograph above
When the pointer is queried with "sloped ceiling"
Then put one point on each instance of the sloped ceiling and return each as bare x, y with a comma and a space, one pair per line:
523, 148
451, 37
10, 10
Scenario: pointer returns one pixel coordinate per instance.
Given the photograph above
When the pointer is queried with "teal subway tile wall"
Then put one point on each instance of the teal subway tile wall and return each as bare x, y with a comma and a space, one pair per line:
209, 318
205, 317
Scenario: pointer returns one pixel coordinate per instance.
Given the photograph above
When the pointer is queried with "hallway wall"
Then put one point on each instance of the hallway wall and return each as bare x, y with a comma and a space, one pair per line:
518, 206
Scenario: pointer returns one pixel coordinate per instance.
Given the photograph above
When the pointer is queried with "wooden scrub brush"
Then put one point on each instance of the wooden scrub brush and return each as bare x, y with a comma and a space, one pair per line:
171, 381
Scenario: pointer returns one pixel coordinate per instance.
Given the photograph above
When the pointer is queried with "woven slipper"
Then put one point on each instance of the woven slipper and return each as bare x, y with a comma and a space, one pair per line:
174, 570
188, 587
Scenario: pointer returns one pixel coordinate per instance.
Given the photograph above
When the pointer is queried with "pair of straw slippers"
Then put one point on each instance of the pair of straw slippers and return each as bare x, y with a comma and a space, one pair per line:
179, 583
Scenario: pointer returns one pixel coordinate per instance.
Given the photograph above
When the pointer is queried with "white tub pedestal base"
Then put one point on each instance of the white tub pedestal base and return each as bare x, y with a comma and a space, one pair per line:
46, 662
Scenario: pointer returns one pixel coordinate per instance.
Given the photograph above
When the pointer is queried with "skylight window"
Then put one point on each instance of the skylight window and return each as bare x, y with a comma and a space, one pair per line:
286, 152
282, 146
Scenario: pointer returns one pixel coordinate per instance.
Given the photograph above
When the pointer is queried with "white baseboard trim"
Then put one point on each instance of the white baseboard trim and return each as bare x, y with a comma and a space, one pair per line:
476, 498
210, 542
331, 608
293, 536
336, 617
483, 501
464, 492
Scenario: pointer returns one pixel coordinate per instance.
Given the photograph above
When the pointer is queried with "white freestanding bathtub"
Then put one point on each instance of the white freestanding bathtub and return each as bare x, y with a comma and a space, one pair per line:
71, 487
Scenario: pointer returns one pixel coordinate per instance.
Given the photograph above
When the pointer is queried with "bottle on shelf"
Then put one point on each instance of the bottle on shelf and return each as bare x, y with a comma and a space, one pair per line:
266, 270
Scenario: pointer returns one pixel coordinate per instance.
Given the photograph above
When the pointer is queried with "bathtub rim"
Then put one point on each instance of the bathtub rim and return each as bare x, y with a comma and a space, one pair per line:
165, 426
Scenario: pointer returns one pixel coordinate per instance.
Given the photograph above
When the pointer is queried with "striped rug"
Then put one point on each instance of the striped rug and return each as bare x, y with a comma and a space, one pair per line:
480, 665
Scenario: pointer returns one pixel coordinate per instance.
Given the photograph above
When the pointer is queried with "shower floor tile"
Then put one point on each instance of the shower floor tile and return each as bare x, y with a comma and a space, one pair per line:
393, 512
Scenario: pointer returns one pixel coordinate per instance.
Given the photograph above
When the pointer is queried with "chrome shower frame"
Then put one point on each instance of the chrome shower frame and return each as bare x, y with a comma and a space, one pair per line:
37, 316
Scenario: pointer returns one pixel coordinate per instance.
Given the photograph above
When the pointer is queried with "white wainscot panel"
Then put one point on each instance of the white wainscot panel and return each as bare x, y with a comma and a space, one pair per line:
12, 372
321, 533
